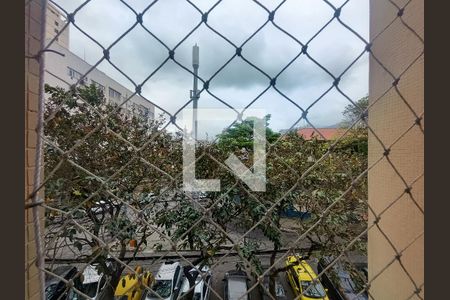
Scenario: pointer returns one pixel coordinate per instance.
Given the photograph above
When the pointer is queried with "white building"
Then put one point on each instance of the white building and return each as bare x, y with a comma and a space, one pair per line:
63, 71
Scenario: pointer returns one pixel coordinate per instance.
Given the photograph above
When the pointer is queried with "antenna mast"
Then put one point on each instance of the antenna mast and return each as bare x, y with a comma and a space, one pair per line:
194, 93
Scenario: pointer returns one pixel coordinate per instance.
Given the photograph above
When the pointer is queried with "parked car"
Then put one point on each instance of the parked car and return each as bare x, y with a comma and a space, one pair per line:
236, 285
133, 286
302, 278
202, 284
167, 282
102, 206
339, 281
92, 284
55, 288
280, 293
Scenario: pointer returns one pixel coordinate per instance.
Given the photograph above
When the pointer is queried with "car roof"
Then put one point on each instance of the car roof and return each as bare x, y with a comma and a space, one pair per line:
237, 287
90, 274
302, 269
126, 284
166, 271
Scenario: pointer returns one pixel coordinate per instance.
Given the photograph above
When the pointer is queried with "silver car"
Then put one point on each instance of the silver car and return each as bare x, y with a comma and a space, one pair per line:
236, 285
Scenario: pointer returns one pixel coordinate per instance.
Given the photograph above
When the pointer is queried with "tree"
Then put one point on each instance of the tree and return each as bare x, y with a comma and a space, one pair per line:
236, 206
354, 113
94, 173
240, 135
286, 161
105, 168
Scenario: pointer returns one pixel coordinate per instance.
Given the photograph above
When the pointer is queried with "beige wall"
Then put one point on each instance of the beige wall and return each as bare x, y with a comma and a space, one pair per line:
55, 23
396, 48
32, 46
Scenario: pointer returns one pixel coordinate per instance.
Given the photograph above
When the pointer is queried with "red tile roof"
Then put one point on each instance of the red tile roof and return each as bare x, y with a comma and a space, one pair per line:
327, 133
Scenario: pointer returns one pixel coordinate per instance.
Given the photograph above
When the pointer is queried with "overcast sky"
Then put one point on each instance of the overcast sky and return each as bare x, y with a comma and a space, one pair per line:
138, 53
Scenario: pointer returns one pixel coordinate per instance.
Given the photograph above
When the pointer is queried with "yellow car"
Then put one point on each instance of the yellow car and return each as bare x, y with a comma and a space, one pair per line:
132, 286
301, 276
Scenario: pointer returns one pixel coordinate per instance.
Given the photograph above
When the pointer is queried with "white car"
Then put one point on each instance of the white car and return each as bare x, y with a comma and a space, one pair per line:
101, 207
202, 284
236, 285
167, 282
92, 284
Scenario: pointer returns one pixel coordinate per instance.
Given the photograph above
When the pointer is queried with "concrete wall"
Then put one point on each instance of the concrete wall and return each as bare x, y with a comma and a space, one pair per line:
32, 45
396, 48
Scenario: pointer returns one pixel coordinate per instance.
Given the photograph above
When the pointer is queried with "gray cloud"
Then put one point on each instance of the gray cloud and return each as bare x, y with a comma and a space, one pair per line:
138, 54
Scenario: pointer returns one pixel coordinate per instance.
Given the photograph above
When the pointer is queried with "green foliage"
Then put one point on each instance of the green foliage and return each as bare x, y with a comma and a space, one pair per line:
240, 135
93, 170
297, 175
352, 113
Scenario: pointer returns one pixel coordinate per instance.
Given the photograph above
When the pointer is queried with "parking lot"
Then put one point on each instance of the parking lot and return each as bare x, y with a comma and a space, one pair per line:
151, 259
218, 268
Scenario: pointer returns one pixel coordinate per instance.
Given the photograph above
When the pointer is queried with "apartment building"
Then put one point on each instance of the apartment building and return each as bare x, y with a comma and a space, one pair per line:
55, 22
63, 71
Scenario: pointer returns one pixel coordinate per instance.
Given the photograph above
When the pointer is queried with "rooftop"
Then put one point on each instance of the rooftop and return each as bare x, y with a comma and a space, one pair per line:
321, 133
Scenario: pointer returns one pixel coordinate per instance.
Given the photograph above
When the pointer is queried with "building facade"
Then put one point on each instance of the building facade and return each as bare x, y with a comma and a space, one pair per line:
64, 71
55, 22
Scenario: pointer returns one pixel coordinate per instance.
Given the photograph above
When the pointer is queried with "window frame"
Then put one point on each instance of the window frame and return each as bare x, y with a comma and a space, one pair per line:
112, 93
74, 74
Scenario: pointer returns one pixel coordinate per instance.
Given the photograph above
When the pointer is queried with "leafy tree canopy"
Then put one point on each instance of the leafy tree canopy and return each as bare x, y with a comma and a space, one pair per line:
104, 166
353, 113
240, 135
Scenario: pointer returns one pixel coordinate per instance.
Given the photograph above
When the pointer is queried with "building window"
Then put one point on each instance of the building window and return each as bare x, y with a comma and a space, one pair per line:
114, 94
98, 85
74, 74
144, 111
56, 23
56, 30
141, 110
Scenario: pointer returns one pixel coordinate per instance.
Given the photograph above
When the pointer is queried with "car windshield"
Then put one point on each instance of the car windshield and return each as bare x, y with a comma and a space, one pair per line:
237, 289
315, 291
90, 289
163, 288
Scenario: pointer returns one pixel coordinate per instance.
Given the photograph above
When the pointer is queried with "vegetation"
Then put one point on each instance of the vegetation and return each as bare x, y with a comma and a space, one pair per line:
240, 135
353, 114
93, 162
